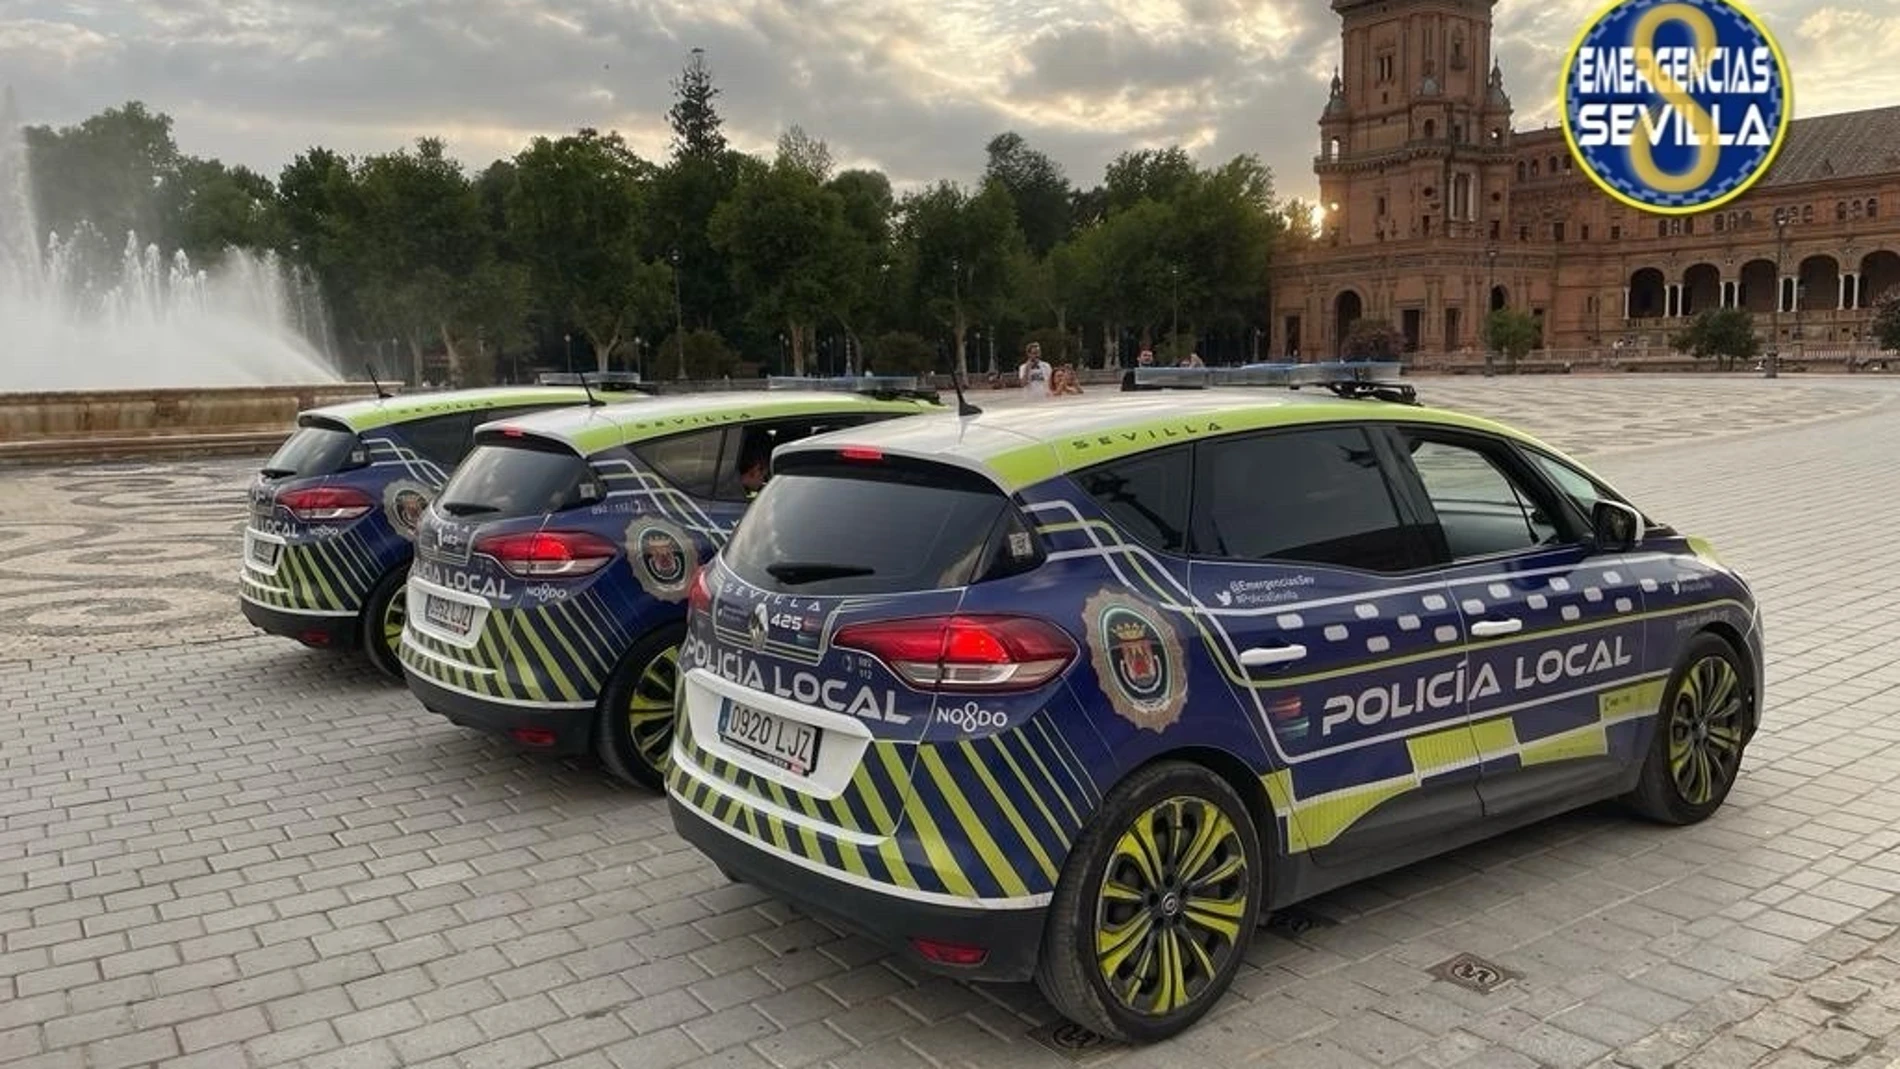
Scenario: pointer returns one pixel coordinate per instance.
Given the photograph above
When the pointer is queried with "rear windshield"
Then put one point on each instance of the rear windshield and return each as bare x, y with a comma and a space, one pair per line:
316, 450
519, 479
833, 531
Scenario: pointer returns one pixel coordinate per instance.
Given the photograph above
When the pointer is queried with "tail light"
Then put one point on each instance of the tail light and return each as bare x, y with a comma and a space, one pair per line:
549, 554
966, 653
326, 504
699, 597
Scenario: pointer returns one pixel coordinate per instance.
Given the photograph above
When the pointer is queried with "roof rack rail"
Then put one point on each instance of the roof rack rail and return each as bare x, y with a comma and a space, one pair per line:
882, 387
604, 381
1346, 378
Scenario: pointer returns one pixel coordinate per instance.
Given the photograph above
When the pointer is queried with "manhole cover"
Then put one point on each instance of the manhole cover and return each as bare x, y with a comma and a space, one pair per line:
1294, 921
1072, 1041
1474, 973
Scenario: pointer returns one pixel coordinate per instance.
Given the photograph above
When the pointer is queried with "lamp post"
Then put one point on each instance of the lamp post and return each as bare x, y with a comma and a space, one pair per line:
679, 312
1773, 369
638, 366
568, 341
1174, 286
1490, 282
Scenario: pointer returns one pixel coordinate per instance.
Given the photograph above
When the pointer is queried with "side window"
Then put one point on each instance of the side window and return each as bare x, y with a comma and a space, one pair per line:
1481, 508
1317, 496
443, 439
1146, 496
745, 470
1575, 485
689, 461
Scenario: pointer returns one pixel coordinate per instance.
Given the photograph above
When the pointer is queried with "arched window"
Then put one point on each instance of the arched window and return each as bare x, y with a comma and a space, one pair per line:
1718, 222
1662, 228
1533, 168
1840, 211
1553, 165
1872, 204
1520, 170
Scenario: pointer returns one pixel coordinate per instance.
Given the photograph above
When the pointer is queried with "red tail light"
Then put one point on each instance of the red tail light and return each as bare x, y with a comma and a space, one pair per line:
326, 504
965, 653
861, 452
699, 597
549, 554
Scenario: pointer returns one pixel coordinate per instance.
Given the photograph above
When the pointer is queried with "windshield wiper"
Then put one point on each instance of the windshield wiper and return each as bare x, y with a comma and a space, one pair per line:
466, 508
795, 572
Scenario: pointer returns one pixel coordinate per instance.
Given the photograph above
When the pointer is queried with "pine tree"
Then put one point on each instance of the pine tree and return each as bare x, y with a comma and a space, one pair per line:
695, 121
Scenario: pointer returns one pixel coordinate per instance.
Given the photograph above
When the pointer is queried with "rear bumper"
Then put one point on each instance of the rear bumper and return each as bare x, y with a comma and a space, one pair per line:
1013, 937
314, 629
548, 729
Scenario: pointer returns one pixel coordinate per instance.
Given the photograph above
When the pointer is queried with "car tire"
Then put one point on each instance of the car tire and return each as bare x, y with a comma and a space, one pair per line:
382, 623
1707, 717
634, 732
1158, 984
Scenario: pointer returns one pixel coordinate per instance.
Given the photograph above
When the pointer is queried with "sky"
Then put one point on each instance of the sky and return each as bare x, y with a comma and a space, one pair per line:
915, 88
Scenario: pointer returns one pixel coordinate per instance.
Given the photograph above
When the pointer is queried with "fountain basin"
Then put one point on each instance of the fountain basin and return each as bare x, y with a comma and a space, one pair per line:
100, 424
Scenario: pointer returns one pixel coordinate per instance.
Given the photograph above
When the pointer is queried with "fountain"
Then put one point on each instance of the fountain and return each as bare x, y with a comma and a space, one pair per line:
94, 345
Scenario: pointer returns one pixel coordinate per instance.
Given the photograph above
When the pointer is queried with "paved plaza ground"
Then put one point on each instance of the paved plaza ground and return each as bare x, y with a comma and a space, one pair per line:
220, 849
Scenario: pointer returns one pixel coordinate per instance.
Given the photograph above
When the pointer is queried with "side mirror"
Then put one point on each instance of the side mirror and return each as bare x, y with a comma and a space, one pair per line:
1618, 527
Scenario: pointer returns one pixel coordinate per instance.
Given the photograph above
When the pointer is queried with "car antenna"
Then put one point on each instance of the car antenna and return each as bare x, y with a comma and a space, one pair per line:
592, 401
964, 407
370, 366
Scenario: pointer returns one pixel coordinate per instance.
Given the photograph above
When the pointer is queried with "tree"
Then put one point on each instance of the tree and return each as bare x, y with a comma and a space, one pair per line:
1886, 325
1037, 189
575, 219
107, 171
210, 208
694, 119
967, 250
1372, 339
790, 251
1512, 332
801, 151
900, 353
1726, 334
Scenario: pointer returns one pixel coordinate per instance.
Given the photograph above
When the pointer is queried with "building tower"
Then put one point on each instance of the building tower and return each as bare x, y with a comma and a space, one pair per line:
1415, 139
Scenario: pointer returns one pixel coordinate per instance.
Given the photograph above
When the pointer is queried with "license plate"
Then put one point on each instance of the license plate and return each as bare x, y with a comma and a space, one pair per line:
261, 552
452, 616
785, 743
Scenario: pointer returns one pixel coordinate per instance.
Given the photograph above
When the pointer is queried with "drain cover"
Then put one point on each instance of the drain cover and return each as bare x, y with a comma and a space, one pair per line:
1474, 973
1294, 920
1072, 1041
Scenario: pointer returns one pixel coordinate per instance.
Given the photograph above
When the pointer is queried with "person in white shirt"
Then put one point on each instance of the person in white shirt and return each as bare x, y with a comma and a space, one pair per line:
1034, 373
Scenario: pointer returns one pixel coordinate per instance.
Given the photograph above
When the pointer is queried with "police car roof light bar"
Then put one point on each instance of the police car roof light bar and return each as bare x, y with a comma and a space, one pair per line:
882, 387
597, 380
1351, 379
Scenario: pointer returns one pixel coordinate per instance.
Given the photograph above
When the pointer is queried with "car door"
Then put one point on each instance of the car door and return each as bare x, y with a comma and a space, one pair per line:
1556, 628
1345, 646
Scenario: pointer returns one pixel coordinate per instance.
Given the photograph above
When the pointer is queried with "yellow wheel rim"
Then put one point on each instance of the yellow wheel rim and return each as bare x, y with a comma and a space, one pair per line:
1174, 895
650, 710
394, 614
1705, 730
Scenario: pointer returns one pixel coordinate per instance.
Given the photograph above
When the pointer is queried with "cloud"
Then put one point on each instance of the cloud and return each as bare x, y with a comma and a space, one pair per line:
916, 89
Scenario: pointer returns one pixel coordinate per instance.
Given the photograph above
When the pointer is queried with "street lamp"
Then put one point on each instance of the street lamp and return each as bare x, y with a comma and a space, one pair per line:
1174, 283
568, 340
638, 366
1490, 294
1773, 370
679, 312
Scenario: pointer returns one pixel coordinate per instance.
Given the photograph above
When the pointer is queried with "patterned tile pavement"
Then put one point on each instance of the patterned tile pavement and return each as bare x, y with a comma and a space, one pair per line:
223, 850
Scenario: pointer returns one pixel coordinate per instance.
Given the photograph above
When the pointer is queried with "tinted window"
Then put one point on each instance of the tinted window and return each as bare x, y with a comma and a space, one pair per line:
313, 451
1146, 496
810, 526
1317, 496
1480, 508
443, 439
689, 461
499, 481
756, 442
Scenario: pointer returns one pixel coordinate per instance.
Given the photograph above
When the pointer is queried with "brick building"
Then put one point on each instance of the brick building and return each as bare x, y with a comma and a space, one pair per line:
1437, 211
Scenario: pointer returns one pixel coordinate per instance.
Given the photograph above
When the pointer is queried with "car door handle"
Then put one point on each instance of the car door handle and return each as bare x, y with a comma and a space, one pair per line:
1261, 656
1487, 628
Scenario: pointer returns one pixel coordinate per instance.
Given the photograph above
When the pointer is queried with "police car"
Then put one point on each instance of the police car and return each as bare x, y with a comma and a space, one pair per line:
1080, 693
333, 513
549, 591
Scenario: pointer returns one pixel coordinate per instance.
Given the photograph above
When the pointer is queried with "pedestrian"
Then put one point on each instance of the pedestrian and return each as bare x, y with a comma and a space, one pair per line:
1145, 359
1034, 373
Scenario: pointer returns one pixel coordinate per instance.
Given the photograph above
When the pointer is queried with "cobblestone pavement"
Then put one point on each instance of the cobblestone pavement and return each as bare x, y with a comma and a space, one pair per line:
248, 854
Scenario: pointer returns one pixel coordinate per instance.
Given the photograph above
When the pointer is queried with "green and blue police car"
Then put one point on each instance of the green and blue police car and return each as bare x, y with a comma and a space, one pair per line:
1080, 693
332, 515
548, 596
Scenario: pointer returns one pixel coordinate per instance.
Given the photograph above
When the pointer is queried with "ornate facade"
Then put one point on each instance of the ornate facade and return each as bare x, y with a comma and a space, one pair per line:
1437, 212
